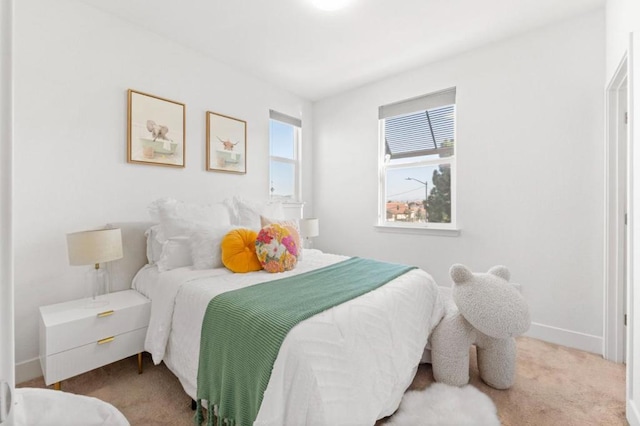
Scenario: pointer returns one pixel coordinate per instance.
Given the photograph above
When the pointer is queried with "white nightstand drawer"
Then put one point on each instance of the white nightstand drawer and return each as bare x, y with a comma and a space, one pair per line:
71, 325
75, 361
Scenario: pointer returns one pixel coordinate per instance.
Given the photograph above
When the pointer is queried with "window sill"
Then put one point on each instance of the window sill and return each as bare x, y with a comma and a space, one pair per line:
285, 201
455, 232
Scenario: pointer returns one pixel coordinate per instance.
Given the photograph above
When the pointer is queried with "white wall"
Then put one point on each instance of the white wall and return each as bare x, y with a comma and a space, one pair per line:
530, 172
73, 66
623, 17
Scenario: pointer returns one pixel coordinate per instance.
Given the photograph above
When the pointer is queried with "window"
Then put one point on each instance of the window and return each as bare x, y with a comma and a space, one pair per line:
417, 162
284, 157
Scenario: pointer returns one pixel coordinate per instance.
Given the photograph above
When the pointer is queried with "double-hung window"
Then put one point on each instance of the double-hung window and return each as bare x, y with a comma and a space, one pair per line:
418, 162
284, 157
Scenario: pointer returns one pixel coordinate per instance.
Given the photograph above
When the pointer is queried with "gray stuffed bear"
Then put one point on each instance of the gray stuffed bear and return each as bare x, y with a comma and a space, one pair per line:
486, 311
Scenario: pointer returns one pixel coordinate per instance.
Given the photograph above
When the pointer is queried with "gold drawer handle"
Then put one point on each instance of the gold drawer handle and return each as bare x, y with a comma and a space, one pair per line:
105, 314
107, 340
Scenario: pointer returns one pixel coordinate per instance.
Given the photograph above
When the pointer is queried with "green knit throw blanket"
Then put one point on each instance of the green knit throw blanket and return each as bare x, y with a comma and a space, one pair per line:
243, 330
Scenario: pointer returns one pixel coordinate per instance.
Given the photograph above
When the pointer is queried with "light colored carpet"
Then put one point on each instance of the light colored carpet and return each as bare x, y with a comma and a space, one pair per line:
554, 386
442, 405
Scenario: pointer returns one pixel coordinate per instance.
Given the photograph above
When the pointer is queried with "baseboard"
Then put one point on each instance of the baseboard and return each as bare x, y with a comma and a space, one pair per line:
28, 370
572, 339
633, 416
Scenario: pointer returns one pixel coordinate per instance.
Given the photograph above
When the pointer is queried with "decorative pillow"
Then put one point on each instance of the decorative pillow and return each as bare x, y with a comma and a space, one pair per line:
154, 246
292, 227
206, 247
239, 251
178, 218
276, 249
247, 213
176, 253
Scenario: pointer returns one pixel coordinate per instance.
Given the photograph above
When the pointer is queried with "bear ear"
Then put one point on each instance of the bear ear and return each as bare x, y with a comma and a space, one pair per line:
500, 271
460, 273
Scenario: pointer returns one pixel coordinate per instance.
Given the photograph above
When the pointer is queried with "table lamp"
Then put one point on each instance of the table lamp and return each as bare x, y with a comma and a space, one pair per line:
309, 228
92, 248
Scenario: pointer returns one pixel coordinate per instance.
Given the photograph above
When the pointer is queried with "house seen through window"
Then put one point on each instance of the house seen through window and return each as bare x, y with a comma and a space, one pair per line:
417, 161
284, 157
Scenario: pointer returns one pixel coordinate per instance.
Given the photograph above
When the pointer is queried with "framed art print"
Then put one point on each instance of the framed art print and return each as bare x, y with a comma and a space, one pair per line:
155, 130
226, 143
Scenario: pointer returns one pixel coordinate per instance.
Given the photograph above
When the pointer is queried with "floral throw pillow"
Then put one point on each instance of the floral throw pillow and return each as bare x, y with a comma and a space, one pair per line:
276, 248
292, 227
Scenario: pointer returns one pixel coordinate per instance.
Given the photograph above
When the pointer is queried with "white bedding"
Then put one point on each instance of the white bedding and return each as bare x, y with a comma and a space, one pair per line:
349, 365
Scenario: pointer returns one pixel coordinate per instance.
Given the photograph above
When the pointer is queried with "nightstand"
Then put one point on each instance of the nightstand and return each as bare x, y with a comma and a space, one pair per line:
75, 339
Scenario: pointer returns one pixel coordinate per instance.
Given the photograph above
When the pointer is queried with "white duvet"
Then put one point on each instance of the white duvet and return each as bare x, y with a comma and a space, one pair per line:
349, 365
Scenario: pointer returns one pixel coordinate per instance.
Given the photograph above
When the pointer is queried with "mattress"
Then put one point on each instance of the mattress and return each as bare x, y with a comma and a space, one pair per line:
347, 365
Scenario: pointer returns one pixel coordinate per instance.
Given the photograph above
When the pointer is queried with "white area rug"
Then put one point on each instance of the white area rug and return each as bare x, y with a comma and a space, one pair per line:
441, 404
46, 407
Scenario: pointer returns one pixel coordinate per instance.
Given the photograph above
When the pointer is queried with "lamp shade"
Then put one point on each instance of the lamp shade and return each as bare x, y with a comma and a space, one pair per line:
91, 247
309, 227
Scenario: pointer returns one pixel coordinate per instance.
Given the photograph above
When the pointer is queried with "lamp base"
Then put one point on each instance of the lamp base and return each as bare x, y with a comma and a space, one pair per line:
97, 284
308, 244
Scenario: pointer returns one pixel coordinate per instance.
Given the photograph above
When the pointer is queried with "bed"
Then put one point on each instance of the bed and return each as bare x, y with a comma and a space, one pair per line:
348, 365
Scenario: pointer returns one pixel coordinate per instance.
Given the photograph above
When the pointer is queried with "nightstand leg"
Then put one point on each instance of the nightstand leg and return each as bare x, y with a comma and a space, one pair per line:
57, 386
140, 363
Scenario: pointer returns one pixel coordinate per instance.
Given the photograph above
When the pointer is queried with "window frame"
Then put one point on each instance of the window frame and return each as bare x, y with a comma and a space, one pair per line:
383, 167
296, 161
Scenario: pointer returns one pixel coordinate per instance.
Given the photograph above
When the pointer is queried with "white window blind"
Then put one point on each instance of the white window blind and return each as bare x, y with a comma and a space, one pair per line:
424, 102
420, 133
275, 115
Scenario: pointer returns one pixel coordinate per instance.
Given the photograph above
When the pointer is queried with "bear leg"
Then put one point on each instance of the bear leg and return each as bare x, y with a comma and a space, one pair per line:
497, 361
450, 369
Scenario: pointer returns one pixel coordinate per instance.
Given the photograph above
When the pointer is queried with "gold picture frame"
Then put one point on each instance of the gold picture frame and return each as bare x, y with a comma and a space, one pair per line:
155, 130
226, 143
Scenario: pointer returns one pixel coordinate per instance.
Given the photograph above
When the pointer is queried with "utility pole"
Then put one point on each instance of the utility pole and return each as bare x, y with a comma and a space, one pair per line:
426, 192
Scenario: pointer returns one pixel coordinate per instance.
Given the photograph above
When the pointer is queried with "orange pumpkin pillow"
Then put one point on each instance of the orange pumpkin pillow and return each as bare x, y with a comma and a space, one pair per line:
239, 251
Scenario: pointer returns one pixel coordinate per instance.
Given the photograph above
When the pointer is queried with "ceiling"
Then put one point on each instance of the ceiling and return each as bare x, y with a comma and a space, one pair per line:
316, 54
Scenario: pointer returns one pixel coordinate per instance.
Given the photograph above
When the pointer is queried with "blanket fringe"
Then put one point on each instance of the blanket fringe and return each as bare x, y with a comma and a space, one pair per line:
213, 418
198, 417
221, 421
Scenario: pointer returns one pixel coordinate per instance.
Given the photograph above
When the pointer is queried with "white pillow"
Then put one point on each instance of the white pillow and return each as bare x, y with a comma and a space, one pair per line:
205, 247
176, 253
247, 213
178, 218
154, 245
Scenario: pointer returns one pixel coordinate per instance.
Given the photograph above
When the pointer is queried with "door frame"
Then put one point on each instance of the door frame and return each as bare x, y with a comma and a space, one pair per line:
7, 333
633, 300
617, 202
